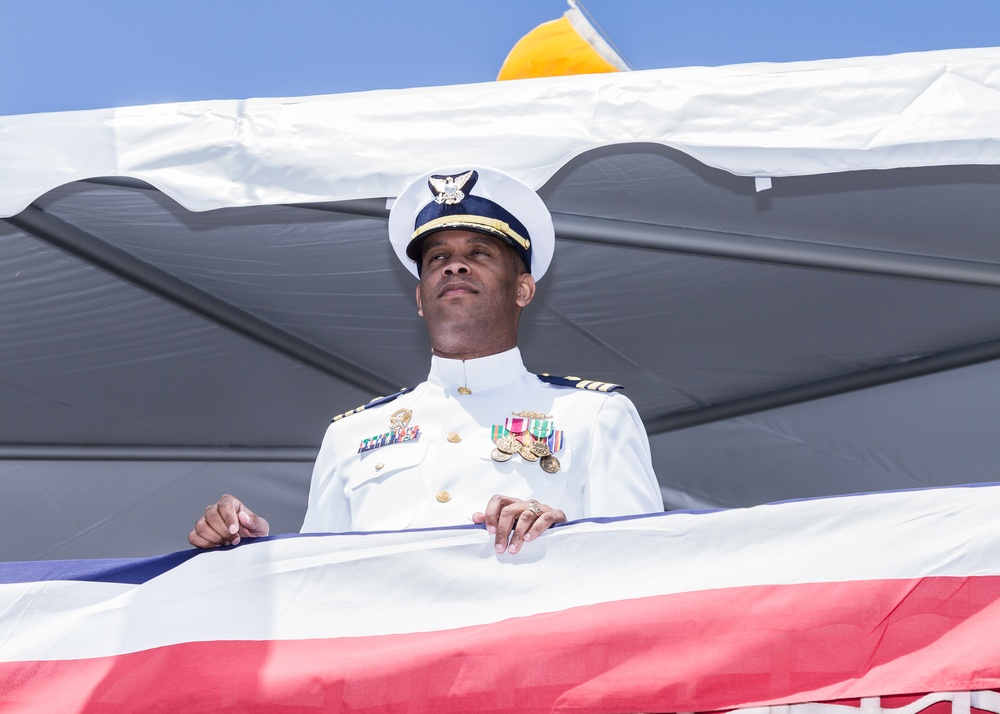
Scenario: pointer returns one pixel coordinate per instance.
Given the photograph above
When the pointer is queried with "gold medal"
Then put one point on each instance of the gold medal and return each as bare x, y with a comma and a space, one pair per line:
508, 444
549, 464
526, 453
500, 456
399, 419
540, 449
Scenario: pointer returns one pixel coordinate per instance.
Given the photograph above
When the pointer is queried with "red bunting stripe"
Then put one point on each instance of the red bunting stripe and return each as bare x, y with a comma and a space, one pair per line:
695, 651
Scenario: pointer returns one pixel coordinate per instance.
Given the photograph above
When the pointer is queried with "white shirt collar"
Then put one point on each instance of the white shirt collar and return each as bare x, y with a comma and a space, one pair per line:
479, 374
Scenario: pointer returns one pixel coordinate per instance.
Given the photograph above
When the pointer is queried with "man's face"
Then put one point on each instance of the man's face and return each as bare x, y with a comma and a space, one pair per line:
469, 278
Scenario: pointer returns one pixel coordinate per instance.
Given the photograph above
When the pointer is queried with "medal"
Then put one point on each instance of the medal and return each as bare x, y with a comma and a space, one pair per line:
529, 434
500, 456
508, 444
549, 464
540, 449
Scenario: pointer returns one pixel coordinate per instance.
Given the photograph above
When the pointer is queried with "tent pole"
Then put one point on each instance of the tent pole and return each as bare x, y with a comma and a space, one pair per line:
737, 246
778, 251
125, 266
831, 387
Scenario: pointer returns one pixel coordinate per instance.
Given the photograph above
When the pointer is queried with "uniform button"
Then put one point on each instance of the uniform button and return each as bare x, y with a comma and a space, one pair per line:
454, 438
379, 466
464, 390
443, 496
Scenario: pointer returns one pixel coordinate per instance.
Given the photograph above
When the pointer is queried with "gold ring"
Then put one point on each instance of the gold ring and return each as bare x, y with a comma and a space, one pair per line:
533, 507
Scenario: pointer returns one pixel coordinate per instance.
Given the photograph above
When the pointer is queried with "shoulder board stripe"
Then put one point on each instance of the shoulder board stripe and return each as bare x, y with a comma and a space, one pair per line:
373, 403
578, 383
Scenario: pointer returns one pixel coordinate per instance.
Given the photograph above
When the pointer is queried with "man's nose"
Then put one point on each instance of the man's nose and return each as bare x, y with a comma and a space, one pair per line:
456, 265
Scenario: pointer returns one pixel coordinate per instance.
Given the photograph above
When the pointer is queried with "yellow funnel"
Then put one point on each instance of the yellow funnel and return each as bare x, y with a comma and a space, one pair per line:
569, 45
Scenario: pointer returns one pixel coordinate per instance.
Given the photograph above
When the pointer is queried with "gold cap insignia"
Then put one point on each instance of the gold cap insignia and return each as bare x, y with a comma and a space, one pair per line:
448, 189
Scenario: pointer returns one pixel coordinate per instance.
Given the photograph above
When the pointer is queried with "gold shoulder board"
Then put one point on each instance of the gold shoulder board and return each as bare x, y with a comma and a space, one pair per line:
576, 382
373, 403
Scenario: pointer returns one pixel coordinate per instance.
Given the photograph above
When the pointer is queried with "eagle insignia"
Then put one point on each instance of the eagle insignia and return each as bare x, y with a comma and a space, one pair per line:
447, 190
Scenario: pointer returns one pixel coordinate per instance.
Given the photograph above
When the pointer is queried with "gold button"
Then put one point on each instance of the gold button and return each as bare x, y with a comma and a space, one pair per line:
454, 438
464, 390
443, 496
379, 466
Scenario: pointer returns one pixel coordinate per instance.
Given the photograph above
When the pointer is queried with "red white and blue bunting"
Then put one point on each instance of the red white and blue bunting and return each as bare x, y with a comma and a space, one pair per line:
834, 600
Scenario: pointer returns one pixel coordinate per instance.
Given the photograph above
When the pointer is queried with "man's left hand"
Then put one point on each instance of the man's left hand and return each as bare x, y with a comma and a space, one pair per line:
515, 521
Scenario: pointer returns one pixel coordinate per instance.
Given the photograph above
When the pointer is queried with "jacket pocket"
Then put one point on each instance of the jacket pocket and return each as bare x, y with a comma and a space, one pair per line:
383, 487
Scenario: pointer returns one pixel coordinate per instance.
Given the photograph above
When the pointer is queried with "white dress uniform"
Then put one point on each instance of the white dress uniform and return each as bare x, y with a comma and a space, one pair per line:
446, 473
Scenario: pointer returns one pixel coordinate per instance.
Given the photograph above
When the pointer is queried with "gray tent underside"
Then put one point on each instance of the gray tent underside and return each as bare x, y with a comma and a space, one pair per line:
836, 333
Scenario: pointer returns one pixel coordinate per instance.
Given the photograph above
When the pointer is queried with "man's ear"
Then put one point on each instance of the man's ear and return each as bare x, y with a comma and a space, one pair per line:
420, 307
525, 289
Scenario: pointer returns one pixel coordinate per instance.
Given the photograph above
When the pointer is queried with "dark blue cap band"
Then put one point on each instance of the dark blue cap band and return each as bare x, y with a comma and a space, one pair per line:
472, 213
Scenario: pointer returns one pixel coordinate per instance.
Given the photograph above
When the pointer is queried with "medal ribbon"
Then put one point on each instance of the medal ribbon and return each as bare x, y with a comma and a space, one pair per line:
540, 428
516, 425
389, 437
554, 439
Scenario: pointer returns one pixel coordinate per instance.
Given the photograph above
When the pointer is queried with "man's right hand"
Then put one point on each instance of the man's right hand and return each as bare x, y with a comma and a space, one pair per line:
225, 523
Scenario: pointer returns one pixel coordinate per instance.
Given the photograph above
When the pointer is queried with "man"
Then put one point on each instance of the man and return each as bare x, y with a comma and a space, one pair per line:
482, 432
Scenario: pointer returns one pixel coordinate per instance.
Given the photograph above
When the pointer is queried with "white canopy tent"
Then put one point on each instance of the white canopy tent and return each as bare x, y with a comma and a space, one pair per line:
792, 268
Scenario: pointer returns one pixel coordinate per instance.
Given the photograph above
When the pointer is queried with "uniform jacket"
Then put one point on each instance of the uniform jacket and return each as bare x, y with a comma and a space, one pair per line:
446, 473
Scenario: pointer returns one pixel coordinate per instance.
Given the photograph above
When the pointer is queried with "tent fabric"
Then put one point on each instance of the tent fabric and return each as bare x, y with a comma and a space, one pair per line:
792, 119
191, 291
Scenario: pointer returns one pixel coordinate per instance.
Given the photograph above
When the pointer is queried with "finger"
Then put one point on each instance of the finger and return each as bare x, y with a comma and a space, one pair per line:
492, 514
198, 540
545, 521
210, 534
214, 524
251, 525
505, 524
478, 517
229, 506
525, 520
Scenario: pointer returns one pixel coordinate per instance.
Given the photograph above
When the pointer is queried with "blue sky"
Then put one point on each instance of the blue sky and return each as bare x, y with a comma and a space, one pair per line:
69, 54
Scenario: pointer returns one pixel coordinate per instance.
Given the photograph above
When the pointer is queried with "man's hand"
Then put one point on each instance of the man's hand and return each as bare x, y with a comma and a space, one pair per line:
225, 523
515, 521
